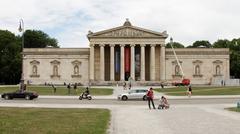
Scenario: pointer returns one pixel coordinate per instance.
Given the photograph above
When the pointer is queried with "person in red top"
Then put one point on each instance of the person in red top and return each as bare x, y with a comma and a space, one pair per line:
150, 98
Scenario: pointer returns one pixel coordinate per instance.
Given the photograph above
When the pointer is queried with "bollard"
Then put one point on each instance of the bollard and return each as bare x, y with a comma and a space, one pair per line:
238, 104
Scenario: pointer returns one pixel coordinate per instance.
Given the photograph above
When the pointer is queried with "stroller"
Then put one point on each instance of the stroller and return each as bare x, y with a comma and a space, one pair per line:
163, 103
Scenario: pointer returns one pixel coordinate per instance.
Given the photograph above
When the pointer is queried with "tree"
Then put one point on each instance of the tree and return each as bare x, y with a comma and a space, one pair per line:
38, 39
201, 43
10, 58
221, 44
175, 45
235, 64
234, 47
10, 52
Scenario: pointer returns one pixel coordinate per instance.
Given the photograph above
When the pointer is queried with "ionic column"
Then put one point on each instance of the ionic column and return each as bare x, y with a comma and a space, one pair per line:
102, 71
91, 71
133, 61
142, 62
162, 62
112, 62
122, 62
152, 62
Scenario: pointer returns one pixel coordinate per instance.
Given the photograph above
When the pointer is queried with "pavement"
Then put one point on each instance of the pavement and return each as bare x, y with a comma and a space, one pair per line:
179, 119
138, 119
157, 95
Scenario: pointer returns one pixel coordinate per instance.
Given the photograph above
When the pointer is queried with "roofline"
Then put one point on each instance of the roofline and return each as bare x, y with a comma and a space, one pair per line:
163, 34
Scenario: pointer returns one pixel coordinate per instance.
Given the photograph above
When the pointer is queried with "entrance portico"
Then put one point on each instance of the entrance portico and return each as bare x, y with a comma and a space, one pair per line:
127, 51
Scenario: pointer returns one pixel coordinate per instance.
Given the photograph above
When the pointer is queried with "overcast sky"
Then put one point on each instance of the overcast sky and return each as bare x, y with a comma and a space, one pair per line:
70, 20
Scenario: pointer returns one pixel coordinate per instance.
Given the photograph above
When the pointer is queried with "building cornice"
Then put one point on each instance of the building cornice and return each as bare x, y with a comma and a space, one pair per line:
198, 51
56, 51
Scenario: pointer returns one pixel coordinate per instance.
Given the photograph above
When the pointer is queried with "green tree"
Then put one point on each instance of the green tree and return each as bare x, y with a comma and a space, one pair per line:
38, 39
221, 44
201, 43
10, 59
10, 52
175, 45
235, 64
234, 46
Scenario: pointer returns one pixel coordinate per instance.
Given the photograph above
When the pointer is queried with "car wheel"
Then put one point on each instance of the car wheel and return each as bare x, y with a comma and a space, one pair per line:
124, 98
80, 97
89, 98
6, 97
27, 97
144, 97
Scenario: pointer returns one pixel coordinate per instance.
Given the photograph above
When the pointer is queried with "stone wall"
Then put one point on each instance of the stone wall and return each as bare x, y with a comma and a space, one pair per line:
65, 60
207, 59
39, 65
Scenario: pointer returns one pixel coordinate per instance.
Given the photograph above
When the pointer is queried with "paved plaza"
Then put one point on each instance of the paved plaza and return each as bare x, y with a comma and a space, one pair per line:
131, 118
179, 119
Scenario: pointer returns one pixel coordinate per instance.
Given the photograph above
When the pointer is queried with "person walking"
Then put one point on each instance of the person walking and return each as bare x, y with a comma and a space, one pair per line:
130, 86
162, 86
150, 98
189, 91
75, 88
69, 87
124, 85
54, 88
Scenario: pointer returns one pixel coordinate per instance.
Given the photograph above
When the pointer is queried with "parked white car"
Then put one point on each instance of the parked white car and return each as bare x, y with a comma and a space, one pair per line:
134, 94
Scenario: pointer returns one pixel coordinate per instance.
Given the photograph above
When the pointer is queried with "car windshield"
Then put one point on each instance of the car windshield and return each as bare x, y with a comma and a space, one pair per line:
137, 91
133, 91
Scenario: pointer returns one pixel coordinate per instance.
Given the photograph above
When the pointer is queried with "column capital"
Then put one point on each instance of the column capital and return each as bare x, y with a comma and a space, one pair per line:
102, 45
132, 45
112, 45
122, 45
153, 45
142, 45
91, 45
162, 45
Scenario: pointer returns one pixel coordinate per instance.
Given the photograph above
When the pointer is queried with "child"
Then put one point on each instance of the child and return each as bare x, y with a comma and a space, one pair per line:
163, 103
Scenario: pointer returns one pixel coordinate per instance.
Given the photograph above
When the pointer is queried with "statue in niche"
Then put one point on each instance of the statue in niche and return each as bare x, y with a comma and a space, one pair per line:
34, 70
55, 70
177, 71
218, 72
197, 70
76, 70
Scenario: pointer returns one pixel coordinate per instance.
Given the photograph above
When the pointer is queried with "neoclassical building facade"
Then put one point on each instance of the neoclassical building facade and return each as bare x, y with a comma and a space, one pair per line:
121, 54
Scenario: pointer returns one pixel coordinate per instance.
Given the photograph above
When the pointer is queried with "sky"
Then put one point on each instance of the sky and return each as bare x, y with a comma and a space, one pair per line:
70, 20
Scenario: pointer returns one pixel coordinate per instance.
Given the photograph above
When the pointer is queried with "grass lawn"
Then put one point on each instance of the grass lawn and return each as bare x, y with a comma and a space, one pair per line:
235, 109
53, 121
48, 90
181, 91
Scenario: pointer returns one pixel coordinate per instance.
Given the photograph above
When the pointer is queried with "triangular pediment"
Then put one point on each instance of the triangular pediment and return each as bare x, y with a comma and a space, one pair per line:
34, 62
127, 32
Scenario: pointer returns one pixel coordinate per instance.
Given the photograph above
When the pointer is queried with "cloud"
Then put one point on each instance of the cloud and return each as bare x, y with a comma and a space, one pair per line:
69, 20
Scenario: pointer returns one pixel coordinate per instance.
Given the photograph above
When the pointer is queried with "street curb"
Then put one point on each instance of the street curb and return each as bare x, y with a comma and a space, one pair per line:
156, 97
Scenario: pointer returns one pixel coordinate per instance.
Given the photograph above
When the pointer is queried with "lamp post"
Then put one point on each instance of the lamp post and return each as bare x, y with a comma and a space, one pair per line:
21, 29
